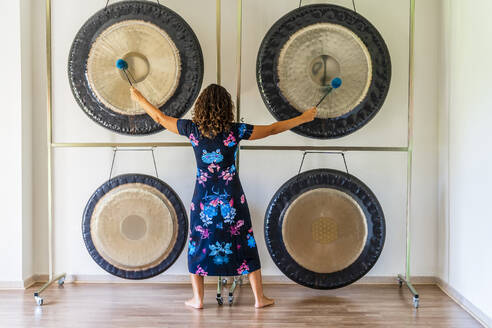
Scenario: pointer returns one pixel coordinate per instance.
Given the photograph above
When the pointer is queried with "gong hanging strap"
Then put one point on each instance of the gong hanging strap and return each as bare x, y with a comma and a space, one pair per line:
324, 152
116, 149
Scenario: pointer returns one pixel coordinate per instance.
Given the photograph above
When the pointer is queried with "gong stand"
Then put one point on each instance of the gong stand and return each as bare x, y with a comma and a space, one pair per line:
408, 149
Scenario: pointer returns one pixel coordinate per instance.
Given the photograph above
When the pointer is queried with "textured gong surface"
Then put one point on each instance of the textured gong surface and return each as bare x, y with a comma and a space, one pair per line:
153, 61
305, 57
308, 47
134, 226
163, 54
324, 229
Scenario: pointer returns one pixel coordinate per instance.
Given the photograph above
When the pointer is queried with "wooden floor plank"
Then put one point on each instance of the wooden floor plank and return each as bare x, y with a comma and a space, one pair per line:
161, 305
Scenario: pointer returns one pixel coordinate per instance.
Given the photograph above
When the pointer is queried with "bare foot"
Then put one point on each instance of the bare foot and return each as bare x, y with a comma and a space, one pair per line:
194, 303
265, 301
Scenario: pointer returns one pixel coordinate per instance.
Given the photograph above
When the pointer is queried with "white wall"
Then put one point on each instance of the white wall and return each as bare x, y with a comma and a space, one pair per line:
465, 159
11, 194
425, 162
26, 123
78, 172
15, 133
39, 178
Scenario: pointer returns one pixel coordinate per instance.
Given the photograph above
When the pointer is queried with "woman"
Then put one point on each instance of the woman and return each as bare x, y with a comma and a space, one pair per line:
221, 241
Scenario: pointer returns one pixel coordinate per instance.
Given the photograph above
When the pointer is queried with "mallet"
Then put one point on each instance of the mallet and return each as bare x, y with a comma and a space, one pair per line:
335, 84
121, 64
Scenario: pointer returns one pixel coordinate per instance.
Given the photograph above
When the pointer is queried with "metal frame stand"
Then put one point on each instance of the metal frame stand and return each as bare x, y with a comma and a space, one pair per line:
222, 283
237, 280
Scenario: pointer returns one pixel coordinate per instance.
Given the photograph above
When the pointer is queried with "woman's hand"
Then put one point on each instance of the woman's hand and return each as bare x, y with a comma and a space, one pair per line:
262, 131
169, 122
309, 115
135, 94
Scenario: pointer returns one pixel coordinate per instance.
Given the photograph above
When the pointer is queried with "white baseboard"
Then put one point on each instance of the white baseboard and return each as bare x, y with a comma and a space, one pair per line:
12, 284
462, 301
185, 279
366, 280
20, 284
29, 281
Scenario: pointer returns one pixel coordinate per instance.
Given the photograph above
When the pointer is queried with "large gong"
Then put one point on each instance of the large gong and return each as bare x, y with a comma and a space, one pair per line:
134, 226
165, 63
324, 229
309, 47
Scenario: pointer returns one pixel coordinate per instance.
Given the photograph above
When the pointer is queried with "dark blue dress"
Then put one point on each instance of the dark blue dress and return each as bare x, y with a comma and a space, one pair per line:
221, 241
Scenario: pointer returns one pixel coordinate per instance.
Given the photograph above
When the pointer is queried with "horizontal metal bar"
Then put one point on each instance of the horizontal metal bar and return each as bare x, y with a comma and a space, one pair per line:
334, 148
134, 149
117, 144
187, 144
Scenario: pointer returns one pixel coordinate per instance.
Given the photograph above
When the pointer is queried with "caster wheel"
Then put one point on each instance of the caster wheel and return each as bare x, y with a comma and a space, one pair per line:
400, 282
416, 302
231, 300
61, 281
219, 299
39, 300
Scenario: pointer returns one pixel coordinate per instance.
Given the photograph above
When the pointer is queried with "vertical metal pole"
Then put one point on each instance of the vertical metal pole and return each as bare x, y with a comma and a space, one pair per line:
406, 278
238, 280
238, 63
410, 134
238, 60
218, 36
49, 142
49, 138
218, 33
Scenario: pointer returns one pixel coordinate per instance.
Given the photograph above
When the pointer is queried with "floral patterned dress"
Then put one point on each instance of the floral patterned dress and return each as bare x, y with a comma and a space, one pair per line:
221, 241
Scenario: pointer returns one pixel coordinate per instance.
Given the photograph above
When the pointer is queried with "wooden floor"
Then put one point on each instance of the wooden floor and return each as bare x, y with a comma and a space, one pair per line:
161, 305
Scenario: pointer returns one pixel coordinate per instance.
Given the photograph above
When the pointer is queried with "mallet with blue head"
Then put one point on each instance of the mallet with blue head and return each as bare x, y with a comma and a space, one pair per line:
121, 64
335, 84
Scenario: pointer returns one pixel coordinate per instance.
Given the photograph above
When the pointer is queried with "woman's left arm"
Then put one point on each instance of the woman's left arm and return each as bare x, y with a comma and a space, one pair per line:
169, 122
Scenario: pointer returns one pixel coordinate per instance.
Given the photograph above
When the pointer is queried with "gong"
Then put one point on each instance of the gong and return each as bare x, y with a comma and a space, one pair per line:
134, 226
309, 47
324, 229
165, 63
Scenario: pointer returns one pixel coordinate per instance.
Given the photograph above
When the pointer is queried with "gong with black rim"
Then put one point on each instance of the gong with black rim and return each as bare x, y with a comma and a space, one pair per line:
324, 229
305, 50
165, 63
134, 226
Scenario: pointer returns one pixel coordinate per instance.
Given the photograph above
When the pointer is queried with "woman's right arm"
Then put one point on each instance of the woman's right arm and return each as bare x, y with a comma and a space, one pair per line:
169, 122
263, 131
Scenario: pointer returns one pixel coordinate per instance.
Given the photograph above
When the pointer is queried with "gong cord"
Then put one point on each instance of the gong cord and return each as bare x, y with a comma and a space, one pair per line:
116, 149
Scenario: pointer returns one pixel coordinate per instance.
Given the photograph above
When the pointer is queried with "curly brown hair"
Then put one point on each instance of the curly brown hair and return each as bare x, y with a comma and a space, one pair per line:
214, 111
